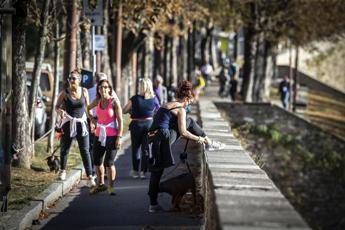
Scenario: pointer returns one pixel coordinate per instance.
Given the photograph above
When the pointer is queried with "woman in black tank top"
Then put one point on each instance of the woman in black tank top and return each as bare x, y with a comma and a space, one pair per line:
169, 123
71, 104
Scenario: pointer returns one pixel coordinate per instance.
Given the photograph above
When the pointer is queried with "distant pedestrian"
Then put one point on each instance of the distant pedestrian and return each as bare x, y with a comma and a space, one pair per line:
199, 84
284, 90
71, 104
160, 90
108, 133
207, 70
224, 81
142, 108
233, 88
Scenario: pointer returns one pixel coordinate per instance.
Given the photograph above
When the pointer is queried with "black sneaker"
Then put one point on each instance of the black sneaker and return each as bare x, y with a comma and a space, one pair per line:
97, 189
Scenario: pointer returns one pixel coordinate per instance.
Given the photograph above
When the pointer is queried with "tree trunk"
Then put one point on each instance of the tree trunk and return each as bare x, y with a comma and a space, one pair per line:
134, 63
43, 34
174, 60
105, 60
111, 39
20, 125
165, 59
261, 63
53, 114
85, 42
213, 52
190, 64
149, 57
270, 74
295, 79
70, 52
290, 75
118, 50
247, 65
157, 59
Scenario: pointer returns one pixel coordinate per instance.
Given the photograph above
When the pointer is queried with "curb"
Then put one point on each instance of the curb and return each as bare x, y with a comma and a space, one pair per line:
23, 218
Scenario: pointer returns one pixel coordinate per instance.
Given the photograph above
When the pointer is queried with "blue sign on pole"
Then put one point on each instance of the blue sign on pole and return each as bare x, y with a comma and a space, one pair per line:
86, 78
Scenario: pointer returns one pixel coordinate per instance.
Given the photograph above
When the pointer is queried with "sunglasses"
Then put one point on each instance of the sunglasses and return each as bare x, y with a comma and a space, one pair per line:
104, 87
73, 78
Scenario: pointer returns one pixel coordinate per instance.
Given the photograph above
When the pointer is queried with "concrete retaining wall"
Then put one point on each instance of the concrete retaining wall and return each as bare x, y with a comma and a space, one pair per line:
238, 194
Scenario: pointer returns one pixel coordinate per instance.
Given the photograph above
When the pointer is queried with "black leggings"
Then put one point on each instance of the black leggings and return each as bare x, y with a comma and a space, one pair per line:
156, 175
139, 131
83, 143
104, 154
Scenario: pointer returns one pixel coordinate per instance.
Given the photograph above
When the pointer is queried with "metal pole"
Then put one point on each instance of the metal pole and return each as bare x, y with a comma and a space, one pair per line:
92, 49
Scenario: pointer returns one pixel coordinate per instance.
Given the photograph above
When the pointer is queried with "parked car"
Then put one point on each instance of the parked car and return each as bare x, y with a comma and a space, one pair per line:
40, 111
46, 81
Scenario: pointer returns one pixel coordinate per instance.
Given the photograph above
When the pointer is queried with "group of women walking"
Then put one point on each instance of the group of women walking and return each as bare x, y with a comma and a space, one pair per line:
163, 123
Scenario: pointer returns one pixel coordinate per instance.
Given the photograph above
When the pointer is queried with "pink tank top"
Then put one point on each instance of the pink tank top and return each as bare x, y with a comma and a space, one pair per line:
105, 117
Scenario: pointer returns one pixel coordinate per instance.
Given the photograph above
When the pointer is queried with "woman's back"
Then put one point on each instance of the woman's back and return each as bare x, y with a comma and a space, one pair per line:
165, 117
143, 108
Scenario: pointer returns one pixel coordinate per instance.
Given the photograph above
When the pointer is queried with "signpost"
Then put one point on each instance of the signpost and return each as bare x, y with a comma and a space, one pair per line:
93, 9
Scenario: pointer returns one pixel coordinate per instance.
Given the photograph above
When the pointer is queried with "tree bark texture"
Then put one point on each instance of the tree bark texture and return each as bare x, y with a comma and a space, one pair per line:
53, 114
85, 45
247, 65
261, 63
70, 52
119, 50
20, 125
295, 80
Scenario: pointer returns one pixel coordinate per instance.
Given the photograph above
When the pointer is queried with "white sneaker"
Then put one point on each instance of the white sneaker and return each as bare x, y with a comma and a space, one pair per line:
92, 181
62, 175
142, 175
215, 145
155, 208
134, 174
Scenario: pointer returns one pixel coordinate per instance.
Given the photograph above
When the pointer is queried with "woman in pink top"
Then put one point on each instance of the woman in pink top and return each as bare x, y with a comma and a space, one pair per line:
107, 136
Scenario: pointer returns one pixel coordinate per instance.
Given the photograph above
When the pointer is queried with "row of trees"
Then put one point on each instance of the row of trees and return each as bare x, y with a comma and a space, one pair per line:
291, 23
166, 37
144, 38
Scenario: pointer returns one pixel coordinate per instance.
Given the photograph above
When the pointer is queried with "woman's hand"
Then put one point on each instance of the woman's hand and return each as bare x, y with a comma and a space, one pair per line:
118, 143
93, 124
62, 113
201, 140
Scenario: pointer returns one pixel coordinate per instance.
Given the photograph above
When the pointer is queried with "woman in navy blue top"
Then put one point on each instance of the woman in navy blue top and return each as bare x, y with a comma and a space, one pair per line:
141, 107
169, 123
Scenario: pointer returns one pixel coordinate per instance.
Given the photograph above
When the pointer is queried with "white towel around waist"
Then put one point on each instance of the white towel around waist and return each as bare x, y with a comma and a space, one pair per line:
73, 124
103, 131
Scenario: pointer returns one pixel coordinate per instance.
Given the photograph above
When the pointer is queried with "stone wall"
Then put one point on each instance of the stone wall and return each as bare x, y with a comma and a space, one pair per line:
238, 194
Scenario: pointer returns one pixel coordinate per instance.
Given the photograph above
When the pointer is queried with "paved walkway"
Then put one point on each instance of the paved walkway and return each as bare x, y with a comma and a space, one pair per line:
127, 210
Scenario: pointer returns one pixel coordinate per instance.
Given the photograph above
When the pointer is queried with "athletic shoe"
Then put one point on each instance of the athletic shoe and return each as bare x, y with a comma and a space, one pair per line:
111, 191
155, 208
215, 145
99, 188
62, 175
134, 174
92, 181
142, 175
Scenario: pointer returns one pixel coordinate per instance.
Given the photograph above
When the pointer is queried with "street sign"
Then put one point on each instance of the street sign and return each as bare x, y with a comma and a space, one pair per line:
99, 42
86, 78
93, 9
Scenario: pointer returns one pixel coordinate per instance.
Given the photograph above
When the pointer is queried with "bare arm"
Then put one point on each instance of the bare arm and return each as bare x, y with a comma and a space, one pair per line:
181, 119
127, 108
118, 112
59, 101
86, 96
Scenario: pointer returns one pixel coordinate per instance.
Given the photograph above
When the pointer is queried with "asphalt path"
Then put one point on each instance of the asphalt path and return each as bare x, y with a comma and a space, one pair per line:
127, 210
